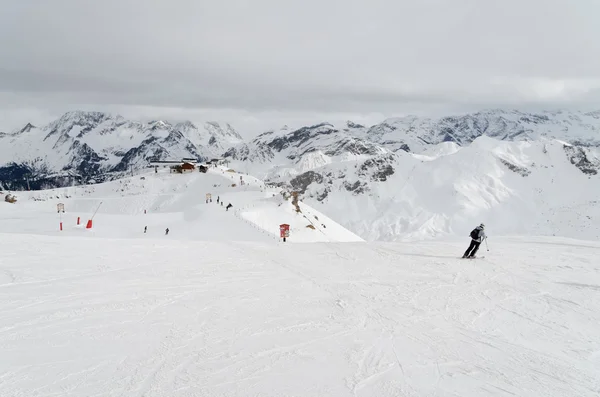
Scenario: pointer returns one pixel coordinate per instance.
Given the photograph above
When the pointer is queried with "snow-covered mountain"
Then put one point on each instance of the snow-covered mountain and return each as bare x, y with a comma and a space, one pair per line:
92, 144
406, 177
541, 188
413, 178
414, 134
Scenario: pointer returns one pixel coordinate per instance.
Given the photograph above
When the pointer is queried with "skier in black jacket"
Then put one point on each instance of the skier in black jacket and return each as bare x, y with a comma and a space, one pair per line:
477, 237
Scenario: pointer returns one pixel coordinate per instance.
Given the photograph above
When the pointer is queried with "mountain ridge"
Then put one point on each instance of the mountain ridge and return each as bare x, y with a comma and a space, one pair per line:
99, 145
406, 177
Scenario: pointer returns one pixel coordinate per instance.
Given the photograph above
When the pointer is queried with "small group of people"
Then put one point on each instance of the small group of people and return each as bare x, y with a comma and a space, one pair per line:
166, 230
218, 201
221, 201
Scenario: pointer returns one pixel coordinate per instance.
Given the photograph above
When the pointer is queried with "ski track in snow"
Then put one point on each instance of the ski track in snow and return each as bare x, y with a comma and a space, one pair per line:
96, 317
219, 308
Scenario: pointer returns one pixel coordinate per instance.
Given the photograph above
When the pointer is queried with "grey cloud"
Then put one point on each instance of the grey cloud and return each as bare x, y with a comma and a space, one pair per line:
343, 56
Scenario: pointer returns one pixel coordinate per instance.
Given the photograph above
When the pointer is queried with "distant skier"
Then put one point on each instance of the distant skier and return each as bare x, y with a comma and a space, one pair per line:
166, 231
228, 207
218, 199
145, 229
477, 236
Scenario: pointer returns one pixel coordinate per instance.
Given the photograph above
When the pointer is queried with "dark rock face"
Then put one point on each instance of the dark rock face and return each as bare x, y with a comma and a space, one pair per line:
17, 177
379, 168
301, 182
27, 128
515, 168
358, 187
353, 146
351, 124
578, 157
323, 194
14, 176
136, 152
85, 160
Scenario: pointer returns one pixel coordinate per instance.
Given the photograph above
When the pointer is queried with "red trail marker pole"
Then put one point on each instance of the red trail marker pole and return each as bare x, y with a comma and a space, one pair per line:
89, 222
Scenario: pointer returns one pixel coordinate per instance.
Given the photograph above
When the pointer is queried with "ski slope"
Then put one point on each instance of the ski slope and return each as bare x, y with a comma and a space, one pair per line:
221, 307
89, 316
175, 201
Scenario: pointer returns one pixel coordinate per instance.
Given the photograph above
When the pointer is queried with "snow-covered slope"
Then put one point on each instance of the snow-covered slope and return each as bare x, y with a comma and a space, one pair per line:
540, 188
90, 143
164, 317
176, 201
221, 307
412, 178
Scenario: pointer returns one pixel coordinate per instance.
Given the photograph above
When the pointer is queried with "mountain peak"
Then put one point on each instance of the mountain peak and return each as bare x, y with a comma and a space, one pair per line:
26, 129
218, 131
351, 124
159, 123
84, 114
185, 125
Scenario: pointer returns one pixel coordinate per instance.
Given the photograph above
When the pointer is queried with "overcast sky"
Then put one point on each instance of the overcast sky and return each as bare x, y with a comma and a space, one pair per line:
262, 63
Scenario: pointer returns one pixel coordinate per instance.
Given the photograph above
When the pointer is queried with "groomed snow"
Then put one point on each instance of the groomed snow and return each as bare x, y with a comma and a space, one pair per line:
160, 317
221, 307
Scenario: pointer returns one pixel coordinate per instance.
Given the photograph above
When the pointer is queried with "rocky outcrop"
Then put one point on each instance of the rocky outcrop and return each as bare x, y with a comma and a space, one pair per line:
579, 158
515, 168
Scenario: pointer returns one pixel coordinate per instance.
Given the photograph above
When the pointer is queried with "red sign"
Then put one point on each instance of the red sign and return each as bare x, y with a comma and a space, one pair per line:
284, 230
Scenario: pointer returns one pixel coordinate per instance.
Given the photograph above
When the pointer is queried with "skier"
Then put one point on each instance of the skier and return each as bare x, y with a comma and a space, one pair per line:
477, 237
166, 231
145, 229
218, 199
228, 206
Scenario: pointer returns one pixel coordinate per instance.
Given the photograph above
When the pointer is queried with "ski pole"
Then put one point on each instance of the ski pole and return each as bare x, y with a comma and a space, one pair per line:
486, 245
